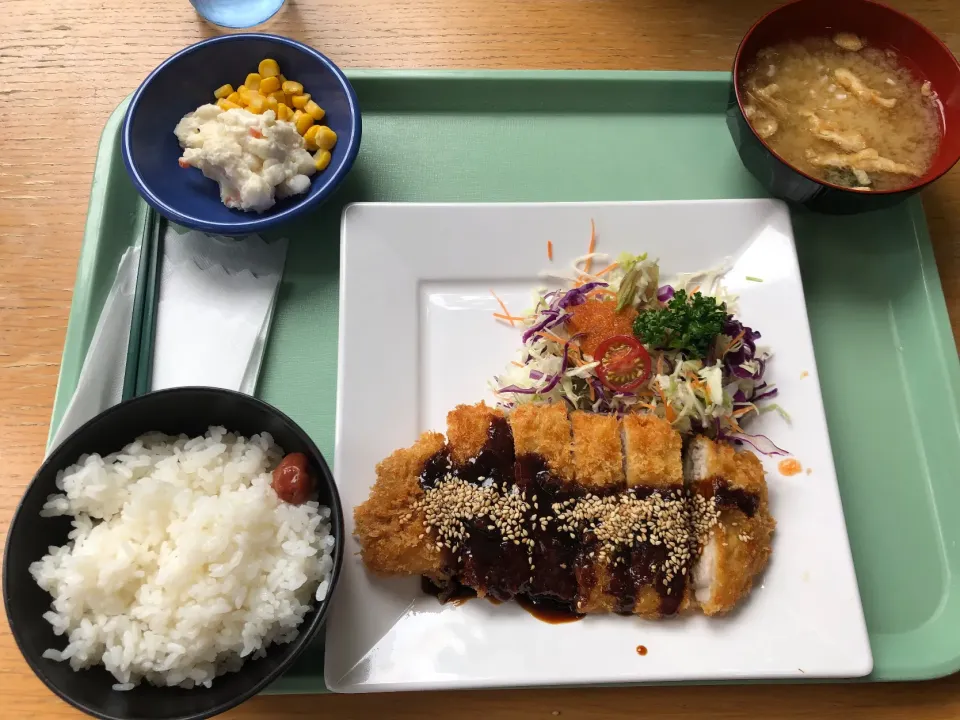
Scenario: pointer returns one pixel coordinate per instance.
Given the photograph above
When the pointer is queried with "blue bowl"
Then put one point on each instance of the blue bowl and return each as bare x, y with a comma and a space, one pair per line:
187, 80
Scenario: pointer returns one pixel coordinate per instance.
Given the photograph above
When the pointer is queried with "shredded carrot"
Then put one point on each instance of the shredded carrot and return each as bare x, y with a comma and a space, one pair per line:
648, 406
593, 246
660, 367
509, 317
514, 362
733, 342
742, 411
608, 268
667, 408
593, 393
550, 336
696, 289
550, 250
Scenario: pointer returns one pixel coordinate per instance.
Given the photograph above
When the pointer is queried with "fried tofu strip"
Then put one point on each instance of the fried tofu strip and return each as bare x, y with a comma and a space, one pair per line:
387, 524
855, 85
765, 98
764, 124
848, 41
738, 547
851, 141
868, 160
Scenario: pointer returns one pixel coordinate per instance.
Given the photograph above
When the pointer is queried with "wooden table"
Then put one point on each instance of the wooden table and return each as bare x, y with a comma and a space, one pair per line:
65, 66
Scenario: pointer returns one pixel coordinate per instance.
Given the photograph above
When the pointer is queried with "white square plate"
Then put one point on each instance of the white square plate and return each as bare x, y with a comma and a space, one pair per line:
417, 338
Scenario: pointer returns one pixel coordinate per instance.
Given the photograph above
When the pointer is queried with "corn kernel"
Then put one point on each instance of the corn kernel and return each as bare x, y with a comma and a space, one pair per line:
279, 96
283, 79
303, 123
257, 104
244, 92
223, 91
225, 104
325, 138
309, 137
292, 88
272, 103
322, 159
300, 101
268, 68
253, 81
234, 97
269, 85
314, 110
284, 112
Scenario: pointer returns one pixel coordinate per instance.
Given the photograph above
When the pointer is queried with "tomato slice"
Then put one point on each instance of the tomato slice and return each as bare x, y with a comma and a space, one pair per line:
624, 363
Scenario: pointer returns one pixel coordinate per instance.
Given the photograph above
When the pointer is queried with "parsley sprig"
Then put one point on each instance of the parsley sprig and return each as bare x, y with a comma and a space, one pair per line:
690, 325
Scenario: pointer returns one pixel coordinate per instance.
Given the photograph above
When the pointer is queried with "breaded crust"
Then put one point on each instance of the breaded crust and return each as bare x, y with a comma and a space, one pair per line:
597, 457
652, 449
741, 470
594, 598
467, 429
544, 430
390, 544
743, 547
741, 544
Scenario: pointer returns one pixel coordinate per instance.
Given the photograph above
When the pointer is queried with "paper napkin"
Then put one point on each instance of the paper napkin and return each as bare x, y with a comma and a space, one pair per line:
216, 304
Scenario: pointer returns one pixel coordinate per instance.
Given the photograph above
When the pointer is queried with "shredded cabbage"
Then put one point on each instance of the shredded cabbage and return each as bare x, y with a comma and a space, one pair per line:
712, 396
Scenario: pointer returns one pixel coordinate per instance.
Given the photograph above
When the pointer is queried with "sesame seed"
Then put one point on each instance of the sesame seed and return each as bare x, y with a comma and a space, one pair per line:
676, 522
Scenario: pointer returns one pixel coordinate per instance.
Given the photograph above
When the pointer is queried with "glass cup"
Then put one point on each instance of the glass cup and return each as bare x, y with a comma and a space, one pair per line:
237, 13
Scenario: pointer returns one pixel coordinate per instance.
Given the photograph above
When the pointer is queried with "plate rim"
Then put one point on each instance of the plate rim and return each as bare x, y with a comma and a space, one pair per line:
775, 205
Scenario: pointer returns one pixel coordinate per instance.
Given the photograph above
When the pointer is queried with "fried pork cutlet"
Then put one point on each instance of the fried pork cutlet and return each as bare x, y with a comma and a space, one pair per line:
544, 431
482, 448
588, 511
468, 429
652, 449
738, 546
598, 461
597, 453
627, 581
389, 525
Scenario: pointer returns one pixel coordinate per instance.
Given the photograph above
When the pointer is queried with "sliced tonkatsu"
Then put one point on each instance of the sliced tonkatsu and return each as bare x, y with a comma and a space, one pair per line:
737, 546
389, 524
584, 511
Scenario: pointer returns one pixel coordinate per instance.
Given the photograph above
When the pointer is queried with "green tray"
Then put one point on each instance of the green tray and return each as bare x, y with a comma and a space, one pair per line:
886, 355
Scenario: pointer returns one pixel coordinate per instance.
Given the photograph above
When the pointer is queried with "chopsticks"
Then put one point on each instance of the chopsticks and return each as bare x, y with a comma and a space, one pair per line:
138, 371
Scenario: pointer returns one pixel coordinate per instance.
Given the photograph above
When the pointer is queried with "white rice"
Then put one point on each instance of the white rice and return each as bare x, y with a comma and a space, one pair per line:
182, 561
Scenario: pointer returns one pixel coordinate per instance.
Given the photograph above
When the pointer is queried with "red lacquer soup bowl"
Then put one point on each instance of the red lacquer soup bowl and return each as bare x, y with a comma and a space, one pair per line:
917, 48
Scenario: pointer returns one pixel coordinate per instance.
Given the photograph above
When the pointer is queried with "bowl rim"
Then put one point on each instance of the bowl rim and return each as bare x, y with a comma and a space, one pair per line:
921, 182
258, 221
295, 648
